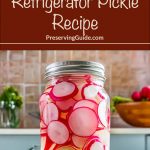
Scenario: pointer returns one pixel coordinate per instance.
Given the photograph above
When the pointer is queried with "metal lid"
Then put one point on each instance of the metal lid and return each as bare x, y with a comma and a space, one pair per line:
72, 67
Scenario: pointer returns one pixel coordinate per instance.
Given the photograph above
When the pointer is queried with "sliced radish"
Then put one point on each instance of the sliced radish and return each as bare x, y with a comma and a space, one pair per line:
44, 97
88, 78
101, 95
68, 147
104, 135
102, 112
79, 141
41, 106
65, 105
50, 113
58, 132
89, 144
106, 147
86, 103
83, 121
100, 127
90, 91
64, 90
97, 146
94, 81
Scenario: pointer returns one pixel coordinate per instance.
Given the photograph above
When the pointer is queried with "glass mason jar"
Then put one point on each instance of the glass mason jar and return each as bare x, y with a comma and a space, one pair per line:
9, 116
74, 108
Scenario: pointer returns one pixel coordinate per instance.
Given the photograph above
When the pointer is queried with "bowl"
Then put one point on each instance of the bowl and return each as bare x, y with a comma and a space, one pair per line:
135, 113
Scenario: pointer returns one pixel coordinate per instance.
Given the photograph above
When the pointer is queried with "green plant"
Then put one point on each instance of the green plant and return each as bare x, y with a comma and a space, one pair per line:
117, 100
11, 98
10, 104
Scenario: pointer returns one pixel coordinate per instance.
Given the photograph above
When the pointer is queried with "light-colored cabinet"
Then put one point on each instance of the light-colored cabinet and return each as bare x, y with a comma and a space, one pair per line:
148, 142
118, 142
128, 142
18, 142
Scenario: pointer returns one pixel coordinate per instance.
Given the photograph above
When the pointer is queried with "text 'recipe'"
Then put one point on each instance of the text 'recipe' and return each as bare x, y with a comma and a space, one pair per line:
79, 23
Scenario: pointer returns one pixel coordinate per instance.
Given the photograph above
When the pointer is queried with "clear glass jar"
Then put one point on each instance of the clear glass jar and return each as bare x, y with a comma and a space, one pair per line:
74, 108
10, 116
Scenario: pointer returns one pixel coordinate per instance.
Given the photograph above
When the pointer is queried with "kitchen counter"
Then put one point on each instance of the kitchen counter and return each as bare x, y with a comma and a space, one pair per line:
37, 131
121, 138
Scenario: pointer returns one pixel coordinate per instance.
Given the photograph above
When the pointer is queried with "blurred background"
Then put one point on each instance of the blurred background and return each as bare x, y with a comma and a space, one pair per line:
126, 71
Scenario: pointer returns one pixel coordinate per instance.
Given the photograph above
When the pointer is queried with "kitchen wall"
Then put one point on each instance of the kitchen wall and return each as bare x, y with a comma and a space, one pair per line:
125, 71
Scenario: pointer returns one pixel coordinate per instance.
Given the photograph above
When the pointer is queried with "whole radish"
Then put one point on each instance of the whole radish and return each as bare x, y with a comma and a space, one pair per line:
136, 96
145, 92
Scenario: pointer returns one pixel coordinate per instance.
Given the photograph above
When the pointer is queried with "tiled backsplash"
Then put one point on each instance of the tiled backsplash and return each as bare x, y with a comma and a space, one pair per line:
125, 71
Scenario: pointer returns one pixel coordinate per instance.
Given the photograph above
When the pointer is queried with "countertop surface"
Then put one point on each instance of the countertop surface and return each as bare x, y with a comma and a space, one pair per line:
37, 131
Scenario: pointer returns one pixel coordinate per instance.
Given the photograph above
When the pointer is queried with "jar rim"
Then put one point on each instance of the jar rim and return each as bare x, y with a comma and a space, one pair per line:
73, 67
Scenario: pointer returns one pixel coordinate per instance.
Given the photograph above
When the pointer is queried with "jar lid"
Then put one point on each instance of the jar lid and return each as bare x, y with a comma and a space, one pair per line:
69, 67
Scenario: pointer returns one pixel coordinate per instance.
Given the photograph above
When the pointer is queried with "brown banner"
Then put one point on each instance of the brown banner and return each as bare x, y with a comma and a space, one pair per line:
75, 24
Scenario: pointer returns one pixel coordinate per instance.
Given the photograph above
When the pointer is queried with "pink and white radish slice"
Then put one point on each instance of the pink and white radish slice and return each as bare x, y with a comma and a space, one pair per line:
44, 97
104, 135
50, 113
88, 78
63, 90
86, 103
58, 132
41, 106
100, 127
93, 144
91, 91
78, 141
97, 146
83, 121
102, 112
66, 104
106, 147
